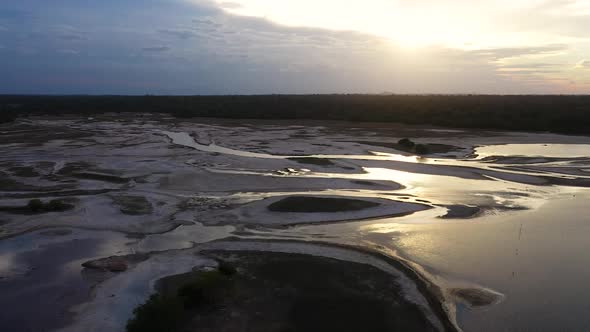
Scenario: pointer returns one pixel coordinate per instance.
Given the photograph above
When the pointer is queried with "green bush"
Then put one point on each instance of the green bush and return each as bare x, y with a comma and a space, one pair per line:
406, 142
158, 314
35, 205
205, 289
566, 114
6, 116
226, 268
57, 205
169, 312
421, 149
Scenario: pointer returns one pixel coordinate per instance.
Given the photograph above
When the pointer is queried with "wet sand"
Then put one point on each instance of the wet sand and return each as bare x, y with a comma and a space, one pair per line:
484, 221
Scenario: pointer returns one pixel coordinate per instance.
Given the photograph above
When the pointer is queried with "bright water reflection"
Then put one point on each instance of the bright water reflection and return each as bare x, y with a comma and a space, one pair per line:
540, 245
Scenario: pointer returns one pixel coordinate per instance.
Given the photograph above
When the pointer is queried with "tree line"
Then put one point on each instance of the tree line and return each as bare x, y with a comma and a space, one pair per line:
556, 113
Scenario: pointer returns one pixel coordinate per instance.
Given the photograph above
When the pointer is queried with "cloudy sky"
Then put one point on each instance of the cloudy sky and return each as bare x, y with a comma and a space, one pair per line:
294, 46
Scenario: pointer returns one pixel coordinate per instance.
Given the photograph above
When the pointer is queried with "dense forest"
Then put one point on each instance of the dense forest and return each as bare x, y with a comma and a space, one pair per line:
564, 114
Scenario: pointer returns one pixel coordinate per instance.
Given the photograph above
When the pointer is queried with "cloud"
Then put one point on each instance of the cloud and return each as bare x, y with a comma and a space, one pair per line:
155, 49
531, 69
529, 65
72, 37
527, 71
451, 23
68, 52
515, 52
68, 32
229, 5
585, 64
557, 20
182, 34
206, 20
183, 48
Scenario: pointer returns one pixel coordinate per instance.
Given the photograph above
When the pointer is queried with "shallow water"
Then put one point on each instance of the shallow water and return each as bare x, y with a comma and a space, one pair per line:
184, 139
466, 181
535, 150
537, 258
526, 240
529, 244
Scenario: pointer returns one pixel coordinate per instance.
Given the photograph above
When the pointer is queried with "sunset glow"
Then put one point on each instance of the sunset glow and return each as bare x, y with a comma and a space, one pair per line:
296, 46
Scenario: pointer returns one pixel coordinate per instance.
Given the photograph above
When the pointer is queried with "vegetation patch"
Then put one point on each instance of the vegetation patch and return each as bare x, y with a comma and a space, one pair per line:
309, 204
24, 171
159, 314
364, 183
6, 115
9, 184
558, 113
226, 268
54, 205
87, 171
73, 167
38, 206
133, 205
312, 161
280, 292
407, 145
181, 297
461, 211
100, 177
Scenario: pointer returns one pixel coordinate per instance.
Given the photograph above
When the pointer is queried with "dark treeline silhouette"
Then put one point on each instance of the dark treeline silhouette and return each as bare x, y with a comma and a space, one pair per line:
564, 114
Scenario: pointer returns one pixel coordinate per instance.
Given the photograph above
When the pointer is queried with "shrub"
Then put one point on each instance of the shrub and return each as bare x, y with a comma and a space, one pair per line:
6, 116
226, 268
158, 314
57, 205
205, 289
170, 311
35, 205
421, 149
406, 142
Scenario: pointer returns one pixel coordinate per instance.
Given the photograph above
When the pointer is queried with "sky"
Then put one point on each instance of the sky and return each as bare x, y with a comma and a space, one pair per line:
294, 46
